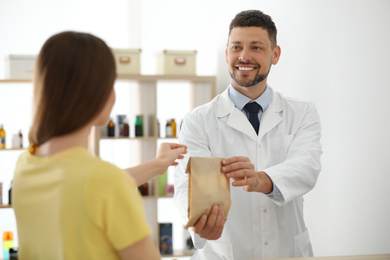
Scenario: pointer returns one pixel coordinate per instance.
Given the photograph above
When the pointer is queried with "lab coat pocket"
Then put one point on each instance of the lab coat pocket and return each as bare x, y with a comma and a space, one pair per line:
302, 245
214, 251
279, 147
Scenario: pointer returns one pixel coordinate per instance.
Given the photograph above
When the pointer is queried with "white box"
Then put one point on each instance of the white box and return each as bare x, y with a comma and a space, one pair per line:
173, 62
127, 61
20, 66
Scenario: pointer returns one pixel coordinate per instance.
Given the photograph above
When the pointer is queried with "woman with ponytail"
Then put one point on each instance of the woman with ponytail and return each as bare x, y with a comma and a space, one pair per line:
69, 204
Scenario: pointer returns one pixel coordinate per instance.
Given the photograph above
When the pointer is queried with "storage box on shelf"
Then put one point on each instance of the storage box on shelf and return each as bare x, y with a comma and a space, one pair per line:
19, 66
202, 90
127, 61
175, 62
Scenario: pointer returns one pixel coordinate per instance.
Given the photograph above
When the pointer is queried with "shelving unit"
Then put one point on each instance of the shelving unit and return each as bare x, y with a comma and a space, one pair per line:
202, 90
8, 152
13, 81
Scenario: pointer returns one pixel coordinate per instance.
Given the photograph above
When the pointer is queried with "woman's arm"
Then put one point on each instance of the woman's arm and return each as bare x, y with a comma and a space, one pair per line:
167, 154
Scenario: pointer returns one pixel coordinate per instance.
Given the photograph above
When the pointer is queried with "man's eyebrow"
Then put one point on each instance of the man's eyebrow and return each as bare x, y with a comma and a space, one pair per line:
253, 42
258, 42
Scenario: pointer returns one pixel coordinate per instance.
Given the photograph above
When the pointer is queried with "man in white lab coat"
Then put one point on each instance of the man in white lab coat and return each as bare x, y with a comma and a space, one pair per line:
272, 152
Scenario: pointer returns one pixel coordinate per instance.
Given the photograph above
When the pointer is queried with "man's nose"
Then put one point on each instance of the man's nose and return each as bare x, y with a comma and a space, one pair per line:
245, 55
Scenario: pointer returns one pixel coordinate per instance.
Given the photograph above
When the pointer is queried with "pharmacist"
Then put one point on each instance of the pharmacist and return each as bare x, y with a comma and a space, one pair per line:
272, 148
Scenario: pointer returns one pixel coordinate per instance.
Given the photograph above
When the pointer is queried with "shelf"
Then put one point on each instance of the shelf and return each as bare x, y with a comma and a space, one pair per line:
164, 197
129, 138
15, 81
136, 138
148, 197
12, 149
202, 89
5, 206
179, 253
193, 78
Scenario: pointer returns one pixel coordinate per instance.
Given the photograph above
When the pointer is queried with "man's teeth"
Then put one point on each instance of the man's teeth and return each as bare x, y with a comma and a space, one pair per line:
245, 68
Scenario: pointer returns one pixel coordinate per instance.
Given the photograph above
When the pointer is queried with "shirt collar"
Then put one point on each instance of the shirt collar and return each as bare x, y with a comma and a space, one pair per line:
240, 100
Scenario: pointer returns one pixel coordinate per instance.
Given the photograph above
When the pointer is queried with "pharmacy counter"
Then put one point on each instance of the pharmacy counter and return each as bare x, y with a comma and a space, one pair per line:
357, 257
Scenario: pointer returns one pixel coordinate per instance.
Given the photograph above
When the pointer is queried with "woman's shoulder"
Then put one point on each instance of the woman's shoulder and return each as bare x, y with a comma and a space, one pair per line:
104, 172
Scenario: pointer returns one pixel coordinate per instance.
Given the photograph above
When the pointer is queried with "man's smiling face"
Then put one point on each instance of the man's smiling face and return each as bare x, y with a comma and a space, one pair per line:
249, 55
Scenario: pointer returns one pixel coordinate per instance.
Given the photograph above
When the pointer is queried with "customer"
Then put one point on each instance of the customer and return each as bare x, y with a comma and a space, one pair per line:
272, 148
69, 204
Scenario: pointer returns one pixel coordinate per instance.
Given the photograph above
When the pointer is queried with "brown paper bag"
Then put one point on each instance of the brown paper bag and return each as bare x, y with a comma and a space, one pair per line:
207, 186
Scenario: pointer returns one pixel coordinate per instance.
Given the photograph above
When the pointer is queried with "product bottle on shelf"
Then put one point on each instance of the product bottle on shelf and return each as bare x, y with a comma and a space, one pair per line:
168, 129
158, 129
162, 182
8, 243
1, 193
126, 128
173, 126
139, 128
2, 137
111, 128
144, 189
20, 139
10, 195
15, 141
119, 123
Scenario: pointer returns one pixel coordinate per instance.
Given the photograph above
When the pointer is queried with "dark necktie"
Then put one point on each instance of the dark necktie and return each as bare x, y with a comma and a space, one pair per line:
253, 109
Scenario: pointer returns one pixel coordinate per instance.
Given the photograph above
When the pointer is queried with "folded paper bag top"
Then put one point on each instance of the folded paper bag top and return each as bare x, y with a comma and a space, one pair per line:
207, 186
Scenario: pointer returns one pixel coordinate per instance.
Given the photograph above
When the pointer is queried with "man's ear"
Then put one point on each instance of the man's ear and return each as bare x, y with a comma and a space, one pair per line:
276, 54
226, 54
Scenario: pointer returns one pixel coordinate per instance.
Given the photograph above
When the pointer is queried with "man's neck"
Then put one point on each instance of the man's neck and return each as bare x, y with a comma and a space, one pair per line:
252, 92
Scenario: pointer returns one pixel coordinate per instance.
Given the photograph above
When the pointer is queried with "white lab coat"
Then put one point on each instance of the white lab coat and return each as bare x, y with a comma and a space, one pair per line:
287, 148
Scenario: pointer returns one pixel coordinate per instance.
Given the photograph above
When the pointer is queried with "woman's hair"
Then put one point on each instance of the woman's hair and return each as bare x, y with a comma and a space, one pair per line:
74, 76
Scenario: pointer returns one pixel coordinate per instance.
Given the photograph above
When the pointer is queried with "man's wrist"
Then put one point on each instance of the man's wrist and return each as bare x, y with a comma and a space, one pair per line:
265, 184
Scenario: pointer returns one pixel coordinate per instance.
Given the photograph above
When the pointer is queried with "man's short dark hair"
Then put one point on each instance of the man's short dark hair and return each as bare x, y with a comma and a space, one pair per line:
255, 18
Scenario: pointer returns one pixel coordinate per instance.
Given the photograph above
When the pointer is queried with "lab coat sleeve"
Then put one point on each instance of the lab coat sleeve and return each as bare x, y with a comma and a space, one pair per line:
298, 173
193, 136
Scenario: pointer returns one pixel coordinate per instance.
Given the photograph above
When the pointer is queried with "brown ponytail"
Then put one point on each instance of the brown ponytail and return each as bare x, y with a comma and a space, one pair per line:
73, 79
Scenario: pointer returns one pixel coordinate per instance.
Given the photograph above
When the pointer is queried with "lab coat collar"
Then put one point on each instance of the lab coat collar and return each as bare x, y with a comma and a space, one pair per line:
270, 118
273, 115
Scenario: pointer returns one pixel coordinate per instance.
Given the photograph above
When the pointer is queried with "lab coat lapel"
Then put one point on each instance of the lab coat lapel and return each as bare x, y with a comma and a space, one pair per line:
272, 116
236, 119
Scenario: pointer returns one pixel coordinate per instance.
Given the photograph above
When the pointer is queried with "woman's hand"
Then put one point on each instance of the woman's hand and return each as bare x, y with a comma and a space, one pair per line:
168, 153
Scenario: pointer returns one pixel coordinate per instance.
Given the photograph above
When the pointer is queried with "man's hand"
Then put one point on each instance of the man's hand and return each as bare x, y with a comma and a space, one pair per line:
210, 227
242, 171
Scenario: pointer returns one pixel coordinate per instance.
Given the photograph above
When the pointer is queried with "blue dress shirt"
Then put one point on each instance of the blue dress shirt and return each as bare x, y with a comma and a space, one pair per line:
240, 100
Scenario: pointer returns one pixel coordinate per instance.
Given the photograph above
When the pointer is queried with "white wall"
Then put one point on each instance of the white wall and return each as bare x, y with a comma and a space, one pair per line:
334, 53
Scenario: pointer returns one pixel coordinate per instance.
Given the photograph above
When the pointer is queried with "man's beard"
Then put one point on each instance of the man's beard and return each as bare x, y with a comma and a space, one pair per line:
249, 83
